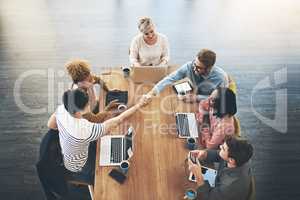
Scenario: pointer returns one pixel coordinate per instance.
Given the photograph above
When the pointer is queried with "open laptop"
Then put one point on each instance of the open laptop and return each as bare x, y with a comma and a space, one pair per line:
116, 148
186, 125
148, 74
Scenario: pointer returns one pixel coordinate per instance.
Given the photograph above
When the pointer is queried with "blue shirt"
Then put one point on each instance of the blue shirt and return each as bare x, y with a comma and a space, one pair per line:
204, 84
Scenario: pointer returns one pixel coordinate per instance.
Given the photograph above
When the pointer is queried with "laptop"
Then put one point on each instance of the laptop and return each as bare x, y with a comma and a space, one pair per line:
148, 74
121, 96
186, 125
116, 148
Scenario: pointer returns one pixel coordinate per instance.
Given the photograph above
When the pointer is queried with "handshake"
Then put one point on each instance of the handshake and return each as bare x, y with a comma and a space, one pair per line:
146, 98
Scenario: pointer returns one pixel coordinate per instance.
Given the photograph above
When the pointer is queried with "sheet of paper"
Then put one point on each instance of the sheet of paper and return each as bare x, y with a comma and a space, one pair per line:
210, 176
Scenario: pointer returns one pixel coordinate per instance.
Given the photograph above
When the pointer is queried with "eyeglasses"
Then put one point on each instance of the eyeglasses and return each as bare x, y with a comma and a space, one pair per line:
198, 68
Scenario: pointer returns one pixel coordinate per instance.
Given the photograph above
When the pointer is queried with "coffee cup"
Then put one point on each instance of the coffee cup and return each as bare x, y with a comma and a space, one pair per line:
190, 194
126, 71
124, 166
191, 143
122, 107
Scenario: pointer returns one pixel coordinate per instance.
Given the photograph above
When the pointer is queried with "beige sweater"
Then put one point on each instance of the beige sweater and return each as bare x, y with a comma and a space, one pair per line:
149, 55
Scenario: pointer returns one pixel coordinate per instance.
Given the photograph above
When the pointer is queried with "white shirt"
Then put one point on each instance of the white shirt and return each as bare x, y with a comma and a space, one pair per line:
75, 136
149, 55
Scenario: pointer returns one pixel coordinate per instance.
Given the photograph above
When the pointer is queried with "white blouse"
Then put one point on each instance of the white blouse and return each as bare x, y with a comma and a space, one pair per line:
149, 55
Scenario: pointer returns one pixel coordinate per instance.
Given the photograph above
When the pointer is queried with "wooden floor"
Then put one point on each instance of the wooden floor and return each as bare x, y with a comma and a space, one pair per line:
253, 40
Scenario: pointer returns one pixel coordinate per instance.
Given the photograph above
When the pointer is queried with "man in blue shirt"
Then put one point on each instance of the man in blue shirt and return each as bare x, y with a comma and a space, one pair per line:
204, 75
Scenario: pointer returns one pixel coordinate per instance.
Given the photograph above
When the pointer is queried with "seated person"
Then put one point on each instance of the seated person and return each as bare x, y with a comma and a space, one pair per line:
234, 177
76, 133
80, 72
149, 48
219, 108
204, 76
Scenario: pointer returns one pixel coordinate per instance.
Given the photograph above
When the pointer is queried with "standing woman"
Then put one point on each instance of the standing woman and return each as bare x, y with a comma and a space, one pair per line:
149, 48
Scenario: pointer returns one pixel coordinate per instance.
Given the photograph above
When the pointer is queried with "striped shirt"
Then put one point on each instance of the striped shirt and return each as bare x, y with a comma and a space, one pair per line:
75, 136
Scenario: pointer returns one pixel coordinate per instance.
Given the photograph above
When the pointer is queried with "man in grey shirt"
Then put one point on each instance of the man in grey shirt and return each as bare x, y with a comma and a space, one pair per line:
204, 75
234, 177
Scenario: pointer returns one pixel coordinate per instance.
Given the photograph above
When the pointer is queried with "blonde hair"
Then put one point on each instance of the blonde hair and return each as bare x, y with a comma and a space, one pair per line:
78, 69
145, 23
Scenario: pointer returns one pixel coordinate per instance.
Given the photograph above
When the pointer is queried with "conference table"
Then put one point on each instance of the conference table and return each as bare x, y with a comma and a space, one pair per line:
157, 168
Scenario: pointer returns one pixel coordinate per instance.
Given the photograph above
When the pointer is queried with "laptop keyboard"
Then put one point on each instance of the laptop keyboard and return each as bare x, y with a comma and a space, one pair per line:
116, 150
183, 124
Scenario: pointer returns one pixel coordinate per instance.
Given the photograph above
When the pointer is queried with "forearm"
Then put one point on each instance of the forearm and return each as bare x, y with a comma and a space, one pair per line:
214, 140
113, 122
52, 122
99, 81
92, 98
212, 156
128, 112
163, 62
97, 118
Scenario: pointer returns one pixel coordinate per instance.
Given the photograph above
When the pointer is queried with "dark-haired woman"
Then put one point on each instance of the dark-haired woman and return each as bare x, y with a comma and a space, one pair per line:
220, 108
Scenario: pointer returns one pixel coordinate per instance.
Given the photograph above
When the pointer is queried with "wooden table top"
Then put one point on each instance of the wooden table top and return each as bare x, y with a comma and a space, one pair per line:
157, 168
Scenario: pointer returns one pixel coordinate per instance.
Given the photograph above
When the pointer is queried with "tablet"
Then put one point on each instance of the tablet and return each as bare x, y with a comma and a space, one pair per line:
183, 87
208, 174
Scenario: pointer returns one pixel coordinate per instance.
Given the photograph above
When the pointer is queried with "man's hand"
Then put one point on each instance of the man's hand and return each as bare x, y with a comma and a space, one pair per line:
144, 100
199, 154
85, 84
196, 170
189, 98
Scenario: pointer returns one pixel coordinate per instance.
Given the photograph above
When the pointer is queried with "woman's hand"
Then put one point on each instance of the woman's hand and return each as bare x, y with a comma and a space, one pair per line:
85, 84
199, 154
112, 105
189, 98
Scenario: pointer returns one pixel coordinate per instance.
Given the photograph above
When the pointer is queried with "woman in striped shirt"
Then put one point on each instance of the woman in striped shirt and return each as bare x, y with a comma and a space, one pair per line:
76, 133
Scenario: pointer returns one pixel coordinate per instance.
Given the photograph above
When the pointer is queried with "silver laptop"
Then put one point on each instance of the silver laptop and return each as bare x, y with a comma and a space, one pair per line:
148, 74
186, 125
116, 148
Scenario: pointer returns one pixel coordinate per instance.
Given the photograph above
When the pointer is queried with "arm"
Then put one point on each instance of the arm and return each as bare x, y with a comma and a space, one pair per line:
97, 118
202, 109
224, 190
175, 76
52, 122
92, 98
134, 53
212, 156
165, 52
99, 81
113, 122
218, 135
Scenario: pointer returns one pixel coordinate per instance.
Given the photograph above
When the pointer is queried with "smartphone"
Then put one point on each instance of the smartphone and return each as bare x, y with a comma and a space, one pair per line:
117, 175
193, 158
192, 177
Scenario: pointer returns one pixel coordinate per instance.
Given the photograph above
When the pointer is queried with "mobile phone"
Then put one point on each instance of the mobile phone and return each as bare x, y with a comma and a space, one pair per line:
117, 175
193, 158
192, 177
